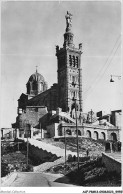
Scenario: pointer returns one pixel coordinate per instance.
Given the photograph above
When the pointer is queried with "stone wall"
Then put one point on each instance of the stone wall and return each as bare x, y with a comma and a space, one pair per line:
111, 164
69, 127
8, 133
89, 129
111, 133
53, 129
32, 115
93, 131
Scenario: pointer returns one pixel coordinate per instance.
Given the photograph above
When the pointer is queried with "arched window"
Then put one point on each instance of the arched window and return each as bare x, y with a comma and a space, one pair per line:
77, 62
74, 94
96, 136
70, 60
103, 136
73, 61
88, 134
114, 136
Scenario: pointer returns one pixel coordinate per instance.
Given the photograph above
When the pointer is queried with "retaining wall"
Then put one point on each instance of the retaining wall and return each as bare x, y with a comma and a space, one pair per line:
111, 164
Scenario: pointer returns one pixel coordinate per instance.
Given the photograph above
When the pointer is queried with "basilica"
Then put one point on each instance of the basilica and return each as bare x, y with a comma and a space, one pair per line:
59, 109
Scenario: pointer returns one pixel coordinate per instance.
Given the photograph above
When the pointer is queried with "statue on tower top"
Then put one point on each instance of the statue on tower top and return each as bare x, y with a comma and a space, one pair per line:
68, 19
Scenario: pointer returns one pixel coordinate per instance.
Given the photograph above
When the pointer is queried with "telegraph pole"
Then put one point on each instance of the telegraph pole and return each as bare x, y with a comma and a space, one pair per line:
65, 144
27, 125
41, 130
77, 136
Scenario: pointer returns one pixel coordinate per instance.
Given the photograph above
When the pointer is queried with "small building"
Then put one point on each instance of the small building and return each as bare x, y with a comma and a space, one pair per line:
8, 133
61, 124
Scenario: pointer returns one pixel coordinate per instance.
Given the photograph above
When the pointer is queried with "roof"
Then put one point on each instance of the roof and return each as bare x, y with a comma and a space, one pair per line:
36, 77
104, 123
64, 115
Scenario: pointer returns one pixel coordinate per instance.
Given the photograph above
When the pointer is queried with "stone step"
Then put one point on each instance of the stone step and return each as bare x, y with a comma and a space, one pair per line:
50, 148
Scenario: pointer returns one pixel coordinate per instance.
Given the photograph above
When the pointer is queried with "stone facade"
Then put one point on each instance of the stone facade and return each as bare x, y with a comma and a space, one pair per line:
85, 130
7, 133
69, 71
114, 117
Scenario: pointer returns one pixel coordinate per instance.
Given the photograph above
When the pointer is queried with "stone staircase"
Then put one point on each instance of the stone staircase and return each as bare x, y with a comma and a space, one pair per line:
50, 148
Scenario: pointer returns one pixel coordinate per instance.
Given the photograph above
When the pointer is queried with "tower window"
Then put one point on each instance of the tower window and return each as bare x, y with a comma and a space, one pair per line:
73, 61
74, 94
77, 62
70, 60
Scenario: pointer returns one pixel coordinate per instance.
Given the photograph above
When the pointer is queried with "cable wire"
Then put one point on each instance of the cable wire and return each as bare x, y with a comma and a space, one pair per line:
98, 79
98, 75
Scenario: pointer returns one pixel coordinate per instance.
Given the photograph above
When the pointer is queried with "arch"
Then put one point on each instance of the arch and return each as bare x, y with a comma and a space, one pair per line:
114, 136
68, 132
96, 135
103, 135
79, 132
88, 134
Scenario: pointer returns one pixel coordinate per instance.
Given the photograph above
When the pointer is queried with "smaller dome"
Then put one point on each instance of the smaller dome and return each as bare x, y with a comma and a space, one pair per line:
36, 84
36, 77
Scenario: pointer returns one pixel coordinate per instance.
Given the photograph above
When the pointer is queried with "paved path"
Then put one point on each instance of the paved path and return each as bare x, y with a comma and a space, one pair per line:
31, 179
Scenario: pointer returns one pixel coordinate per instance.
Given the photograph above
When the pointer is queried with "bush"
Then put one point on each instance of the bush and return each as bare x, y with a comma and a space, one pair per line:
4, 169
27, 168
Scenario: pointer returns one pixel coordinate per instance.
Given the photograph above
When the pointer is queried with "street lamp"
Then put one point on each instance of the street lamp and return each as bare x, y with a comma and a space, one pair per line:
118, 76
27, 130
64, 138
77, 134
65, 144
41, 129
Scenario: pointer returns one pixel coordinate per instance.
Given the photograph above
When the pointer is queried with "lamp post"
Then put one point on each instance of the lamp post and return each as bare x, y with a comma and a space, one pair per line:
65, 144
27, 143
26, 129
118, 76
41, 130
77, 135
64, 131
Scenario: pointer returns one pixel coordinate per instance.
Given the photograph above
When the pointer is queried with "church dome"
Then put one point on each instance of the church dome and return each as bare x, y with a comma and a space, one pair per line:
36, 77
36, 84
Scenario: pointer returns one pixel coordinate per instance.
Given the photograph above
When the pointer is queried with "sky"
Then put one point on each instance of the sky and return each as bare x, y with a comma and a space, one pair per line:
30, 30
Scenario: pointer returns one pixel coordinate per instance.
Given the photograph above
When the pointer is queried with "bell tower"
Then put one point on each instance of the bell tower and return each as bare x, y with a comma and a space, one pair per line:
69, 71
